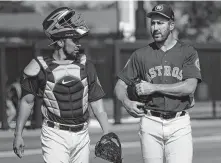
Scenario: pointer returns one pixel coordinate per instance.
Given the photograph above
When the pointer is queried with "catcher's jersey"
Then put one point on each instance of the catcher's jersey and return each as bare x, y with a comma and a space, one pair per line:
66, 87
152, 64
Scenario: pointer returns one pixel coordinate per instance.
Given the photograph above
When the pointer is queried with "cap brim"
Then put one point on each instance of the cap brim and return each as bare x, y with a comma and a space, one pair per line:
155, 12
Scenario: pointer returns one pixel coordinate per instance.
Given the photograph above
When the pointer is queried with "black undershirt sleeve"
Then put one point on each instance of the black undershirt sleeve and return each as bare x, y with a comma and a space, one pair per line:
33, 85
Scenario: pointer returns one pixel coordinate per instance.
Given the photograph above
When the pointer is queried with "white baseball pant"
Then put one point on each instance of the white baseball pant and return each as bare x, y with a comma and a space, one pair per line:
59, 146
166, 139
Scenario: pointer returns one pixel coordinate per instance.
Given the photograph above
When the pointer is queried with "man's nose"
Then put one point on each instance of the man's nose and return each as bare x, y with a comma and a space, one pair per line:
78, 45
156, 27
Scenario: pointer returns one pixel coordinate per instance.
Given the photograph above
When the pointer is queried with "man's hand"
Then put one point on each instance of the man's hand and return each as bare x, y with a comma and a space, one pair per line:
145, 88
18, 146
134, 108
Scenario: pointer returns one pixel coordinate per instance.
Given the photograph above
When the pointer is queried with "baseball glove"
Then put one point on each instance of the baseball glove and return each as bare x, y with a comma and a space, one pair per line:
109, 148
132, 93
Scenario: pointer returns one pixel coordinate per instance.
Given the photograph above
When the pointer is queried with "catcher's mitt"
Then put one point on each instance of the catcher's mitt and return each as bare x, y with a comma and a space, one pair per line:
109, 148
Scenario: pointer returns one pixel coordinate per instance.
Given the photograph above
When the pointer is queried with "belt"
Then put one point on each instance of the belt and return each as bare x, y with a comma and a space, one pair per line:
76, 128
167, 115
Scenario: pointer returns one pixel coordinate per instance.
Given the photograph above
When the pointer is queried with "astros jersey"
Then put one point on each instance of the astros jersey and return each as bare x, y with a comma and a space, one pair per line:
67, 87
152, 64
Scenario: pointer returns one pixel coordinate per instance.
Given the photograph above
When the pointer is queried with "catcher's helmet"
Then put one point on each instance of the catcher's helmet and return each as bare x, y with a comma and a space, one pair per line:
64, 23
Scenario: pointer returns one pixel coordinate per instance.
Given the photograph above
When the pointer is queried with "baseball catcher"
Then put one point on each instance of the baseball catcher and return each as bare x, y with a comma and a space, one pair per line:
67, 83
109, 148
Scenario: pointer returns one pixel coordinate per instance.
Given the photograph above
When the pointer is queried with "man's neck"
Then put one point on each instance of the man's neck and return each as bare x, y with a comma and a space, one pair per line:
59, 55
167, 44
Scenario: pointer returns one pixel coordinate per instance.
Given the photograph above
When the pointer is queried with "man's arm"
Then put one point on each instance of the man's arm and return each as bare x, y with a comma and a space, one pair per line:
183, 88
179, 89
131, 106
32, 79
26, 105
100, 114
121, 91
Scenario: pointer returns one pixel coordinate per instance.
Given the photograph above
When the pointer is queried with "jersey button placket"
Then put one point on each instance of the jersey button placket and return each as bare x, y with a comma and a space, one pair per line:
164, 80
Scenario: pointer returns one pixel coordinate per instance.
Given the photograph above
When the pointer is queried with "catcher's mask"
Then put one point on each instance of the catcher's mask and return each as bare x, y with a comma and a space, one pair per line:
64, 23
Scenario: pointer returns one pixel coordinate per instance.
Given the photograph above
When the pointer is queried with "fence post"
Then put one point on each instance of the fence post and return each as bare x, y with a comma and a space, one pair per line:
2, 88
117, 104
117, 111
214, 108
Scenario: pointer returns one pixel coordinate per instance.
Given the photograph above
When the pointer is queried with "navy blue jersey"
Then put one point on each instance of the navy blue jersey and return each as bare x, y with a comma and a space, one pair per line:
152, 64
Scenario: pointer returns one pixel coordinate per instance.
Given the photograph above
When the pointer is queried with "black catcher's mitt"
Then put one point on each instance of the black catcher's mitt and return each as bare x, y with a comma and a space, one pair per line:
109, 148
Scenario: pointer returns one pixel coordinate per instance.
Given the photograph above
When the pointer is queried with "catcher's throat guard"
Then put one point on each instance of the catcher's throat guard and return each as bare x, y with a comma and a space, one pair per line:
109, 148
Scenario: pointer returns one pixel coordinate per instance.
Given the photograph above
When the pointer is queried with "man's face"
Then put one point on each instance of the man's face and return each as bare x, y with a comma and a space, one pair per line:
71, 47
160, 27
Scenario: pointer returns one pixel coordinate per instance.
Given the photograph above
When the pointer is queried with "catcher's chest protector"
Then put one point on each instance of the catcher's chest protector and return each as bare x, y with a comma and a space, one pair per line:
66, 90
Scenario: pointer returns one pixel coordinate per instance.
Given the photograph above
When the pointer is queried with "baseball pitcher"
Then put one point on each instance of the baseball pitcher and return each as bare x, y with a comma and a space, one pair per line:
157, 84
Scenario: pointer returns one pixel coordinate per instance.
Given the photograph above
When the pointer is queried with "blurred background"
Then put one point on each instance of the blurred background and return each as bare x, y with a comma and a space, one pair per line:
117, 28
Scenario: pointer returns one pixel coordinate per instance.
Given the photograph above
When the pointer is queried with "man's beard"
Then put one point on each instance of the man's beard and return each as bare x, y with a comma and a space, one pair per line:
72, 56
162, 39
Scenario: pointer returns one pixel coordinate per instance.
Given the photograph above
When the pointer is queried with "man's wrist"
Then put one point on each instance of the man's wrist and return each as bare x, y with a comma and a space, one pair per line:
125, 101
17, 133
156, 88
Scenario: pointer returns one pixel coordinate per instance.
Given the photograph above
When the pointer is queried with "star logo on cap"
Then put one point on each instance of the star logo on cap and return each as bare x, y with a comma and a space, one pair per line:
159, 8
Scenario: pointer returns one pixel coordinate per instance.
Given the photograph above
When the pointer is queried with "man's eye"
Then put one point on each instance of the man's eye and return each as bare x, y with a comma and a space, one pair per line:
159, 23
74, 40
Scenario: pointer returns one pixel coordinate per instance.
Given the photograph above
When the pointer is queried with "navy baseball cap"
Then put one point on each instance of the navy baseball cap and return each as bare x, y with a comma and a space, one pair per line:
163, 10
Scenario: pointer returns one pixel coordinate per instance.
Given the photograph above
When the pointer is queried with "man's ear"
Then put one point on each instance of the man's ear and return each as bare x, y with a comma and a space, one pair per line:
172, 25
60, 43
